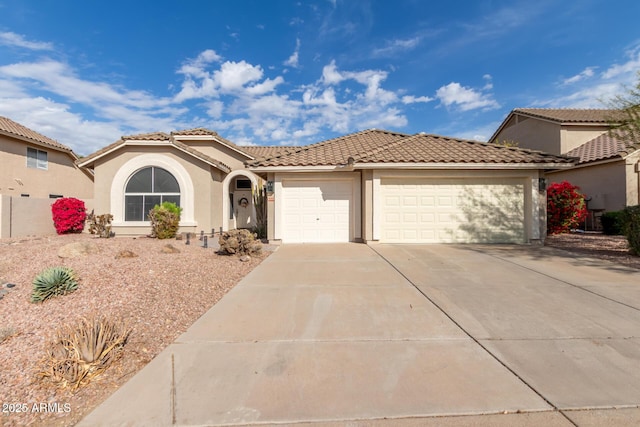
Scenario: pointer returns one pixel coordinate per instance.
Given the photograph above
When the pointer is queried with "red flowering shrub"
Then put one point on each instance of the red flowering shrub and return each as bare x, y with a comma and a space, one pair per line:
68, 215
566, 207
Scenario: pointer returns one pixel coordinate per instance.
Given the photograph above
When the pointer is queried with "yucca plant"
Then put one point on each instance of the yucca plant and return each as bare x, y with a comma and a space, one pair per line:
80, 353
53, 281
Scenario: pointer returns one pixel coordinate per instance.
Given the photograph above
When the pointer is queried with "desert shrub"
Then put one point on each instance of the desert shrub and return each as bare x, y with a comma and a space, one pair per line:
79, 353
240, 242
612, 223
566, 207
52, 282
165, 220
631, 220
100, 224
69, 215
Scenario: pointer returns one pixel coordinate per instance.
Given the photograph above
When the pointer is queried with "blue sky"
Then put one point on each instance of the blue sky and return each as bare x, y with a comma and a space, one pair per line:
296, 72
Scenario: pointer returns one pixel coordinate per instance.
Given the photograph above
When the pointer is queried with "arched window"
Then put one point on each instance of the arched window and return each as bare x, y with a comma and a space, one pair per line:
146, 188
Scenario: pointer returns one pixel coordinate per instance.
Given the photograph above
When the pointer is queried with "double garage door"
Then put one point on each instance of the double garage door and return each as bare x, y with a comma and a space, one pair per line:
316, 211
411, 210
420, 210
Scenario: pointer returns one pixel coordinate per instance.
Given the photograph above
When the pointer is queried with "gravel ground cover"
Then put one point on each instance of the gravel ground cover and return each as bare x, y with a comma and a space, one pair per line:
158, 294
597, 245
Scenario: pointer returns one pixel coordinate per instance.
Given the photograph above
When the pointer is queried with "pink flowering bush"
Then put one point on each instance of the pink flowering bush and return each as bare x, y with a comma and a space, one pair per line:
69, 215
566, 207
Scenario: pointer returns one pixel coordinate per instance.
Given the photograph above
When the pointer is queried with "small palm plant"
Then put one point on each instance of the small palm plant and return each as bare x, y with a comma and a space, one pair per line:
53, 281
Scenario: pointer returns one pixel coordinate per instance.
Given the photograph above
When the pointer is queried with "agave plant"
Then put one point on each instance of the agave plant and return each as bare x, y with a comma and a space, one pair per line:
53, 281
78, 354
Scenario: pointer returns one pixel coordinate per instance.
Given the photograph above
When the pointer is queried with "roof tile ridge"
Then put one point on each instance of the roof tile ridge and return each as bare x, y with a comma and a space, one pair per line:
387, 146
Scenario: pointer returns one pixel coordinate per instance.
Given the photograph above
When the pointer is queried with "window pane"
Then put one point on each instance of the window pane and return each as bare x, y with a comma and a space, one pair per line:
149, 202
140, 182
133, 208
32, 158
42, 159
172, 199
164, 182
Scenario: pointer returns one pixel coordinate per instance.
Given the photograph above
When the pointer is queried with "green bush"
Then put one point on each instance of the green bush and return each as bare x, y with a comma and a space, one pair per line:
165, 220
631, 220
53, 281
612, 223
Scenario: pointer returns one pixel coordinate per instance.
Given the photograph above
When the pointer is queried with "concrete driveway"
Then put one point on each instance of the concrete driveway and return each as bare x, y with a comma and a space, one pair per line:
403, 335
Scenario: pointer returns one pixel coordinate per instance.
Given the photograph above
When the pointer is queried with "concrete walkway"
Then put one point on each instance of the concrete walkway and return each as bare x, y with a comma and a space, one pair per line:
403, 335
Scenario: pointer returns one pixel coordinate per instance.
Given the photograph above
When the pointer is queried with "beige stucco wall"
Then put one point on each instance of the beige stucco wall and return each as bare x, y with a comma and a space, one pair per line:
538, 134
610, 185
574, 136
213, 149
206, 181
534, 134
61, 177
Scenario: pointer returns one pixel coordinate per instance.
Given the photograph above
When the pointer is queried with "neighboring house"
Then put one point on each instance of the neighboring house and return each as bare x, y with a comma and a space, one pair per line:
33, 165
607, 168
373, 185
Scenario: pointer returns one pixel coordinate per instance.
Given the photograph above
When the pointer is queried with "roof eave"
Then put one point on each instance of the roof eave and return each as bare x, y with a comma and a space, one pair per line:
492, 166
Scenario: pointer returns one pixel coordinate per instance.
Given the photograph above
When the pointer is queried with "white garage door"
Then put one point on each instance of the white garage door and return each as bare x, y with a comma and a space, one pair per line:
316, 211
451, 211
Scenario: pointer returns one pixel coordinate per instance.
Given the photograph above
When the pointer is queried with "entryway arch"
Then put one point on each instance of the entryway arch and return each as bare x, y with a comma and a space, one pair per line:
229, 212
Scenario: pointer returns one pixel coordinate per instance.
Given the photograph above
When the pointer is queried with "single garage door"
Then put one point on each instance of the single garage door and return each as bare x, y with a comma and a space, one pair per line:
316, 211
419, 210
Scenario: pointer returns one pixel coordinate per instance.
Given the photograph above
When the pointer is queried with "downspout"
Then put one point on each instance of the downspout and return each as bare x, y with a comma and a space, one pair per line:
10, 216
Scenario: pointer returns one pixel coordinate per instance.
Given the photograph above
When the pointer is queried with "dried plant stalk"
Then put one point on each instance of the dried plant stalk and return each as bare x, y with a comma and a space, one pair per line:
80, 353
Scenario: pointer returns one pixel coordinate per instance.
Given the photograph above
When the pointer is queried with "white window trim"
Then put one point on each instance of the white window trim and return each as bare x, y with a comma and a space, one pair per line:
172, 166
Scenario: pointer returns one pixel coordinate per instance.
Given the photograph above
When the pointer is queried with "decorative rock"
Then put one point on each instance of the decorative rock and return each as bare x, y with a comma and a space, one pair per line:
170, 249
78, 249
126, 254
245, 258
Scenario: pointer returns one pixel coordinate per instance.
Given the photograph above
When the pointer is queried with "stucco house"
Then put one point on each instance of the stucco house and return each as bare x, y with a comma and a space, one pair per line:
36, 166
607, 168
373, 185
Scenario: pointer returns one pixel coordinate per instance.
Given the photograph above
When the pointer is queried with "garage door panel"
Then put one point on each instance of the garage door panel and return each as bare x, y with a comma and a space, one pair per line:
316, 211
453, 210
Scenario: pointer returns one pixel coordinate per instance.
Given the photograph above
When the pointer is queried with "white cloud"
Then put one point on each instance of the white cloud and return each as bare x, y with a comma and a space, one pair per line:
465, 98
293, 59
17, 40
410, 99
397, 46
232, 76
631, 66
584, 74
331, 75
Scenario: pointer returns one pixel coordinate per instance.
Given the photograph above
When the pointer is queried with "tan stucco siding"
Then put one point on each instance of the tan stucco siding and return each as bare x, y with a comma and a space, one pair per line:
632, 171
604, 183
61, 177
205, 181
574, 136
229, 157
533, 134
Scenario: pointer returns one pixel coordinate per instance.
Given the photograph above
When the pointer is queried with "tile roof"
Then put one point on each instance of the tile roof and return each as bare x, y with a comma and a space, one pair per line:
375, 146
333, 151
603, 147
572, 115
154, 137
10, 127
195, 132
264, 151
